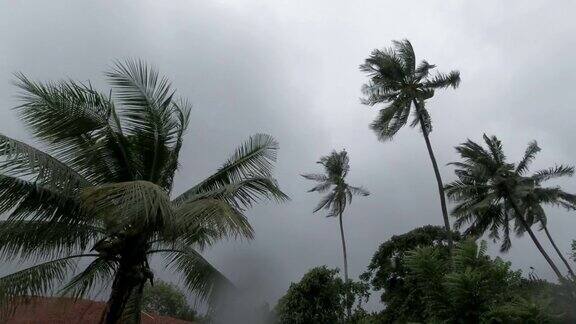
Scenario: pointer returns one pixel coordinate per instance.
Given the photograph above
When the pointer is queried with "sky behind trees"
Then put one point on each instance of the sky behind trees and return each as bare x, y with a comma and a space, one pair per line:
290, 69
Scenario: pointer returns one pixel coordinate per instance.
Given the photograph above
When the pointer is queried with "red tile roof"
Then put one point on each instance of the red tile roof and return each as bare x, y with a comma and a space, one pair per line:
44, 310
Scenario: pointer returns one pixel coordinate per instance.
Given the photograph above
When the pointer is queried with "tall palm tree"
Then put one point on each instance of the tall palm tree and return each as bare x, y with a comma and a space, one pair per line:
538, 196
396, 80
491, 193
100, 190
339, 194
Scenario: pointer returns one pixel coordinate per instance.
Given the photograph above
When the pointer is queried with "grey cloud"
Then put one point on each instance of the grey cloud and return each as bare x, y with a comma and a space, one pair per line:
290, 68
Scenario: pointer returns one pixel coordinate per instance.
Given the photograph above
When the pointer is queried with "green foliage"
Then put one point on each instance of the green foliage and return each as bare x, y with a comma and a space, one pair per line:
104, 182
488, 189
387, 271
166, 299
395, 79
319, 297
463, 290
336, 168
522, 310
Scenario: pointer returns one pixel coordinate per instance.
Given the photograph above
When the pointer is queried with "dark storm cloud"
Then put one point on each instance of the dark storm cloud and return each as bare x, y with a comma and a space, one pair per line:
290, 69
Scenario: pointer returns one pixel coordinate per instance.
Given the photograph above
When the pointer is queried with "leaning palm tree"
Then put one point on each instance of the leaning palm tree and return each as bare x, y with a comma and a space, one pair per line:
491, 193
333, 181
396, 80
539, 196
99, 190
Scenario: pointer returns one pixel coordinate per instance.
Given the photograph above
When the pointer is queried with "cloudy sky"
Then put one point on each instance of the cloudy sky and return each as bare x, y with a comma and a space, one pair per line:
290, 69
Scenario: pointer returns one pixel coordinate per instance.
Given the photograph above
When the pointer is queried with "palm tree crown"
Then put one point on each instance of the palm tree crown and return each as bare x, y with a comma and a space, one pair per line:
491, 193
101, 191
395, 79
333, 181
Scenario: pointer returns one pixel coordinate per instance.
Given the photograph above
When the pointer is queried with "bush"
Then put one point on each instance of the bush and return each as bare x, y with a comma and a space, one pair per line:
320, 297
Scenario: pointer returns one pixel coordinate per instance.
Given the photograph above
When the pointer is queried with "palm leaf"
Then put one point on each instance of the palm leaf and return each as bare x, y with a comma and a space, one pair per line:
99, 273
37, 280
33, 201
253, 159
199, 276
202, 222
138, 205
528, 157
22, 160
41, 239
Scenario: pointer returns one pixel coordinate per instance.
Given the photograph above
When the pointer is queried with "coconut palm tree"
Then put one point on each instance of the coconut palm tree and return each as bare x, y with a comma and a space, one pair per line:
538, 196
99, 190
397, 81
339, 194
491, 193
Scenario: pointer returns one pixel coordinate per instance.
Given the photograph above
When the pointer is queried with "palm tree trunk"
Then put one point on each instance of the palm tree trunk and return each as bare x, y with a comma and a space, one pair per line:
119, 295
348, 308
438, 177
559, 253
535, 240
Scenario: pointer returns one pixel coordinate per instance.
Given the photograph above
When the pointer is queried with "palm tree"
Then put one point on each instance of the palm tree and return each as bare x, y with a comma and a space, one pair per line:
537, 196
490, 193
100, 190
396, 80
333, 181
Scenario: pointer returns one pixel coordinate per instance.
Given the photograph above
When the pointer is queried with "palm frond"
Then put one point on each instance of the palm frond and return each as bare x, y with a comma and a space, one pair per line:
406, 53
552, 173
201, 222
37, 280
26, 200
44, 239
147, 113
358, 191
315, 177
528, 157
321, 187
75, 121
241, 195
99, 273
22, 160
253, 159
441, 80
131, 206
199, 276
391, 119
182, 110
423, 69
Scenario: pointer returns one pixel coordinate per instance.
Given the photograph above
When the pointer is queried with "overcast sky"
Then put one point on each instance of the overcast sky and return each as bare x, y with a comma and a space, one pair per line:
290, 69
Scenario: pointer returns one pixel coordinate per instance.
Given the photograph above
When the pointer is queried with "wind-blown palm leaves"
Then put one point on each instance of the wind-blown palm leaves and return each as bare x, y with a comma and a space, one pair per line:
491, 193
396, 80
101, 191
339, 193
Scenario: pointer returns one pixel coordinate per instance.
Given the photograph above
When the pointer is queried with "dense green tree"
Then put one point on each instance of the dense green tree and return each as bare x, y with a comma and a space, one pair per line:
463, 290
396, 80
321, 297
387, 271
100, 190
491, 193
166, 299
339, 193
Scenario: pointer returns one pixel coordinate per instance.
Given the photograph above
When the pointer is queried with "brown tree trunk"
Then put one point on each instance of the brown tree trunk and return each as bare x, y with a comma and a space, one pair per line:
438, 177
519, 215
559, 253
348, 308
